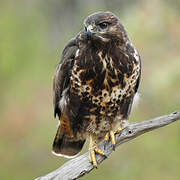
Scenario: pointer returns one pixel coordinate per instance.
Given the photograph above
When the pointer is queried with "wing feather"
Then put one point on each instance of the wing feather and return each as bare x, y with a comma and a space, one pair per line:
62, 74
127, 102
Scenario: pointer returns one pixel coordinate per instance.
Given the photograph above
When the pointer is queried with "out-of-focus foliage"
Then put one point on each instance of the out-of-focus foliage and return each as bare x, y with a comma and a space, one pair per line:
32, 36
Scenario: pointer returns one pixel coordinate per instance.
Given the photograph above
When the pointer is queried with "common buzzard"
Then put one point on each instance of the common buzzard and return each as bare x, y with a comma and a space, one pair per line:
94, 85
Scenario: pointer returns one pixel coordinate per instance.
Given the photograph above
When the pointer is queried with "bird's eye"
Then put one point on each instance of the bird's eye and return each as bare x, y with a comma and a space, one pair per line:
103, 25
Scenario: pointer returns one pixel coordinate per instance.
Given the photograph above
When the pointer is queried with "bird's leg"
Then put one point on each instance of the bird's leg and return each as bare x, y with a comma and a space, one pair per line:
93, 149
111, 134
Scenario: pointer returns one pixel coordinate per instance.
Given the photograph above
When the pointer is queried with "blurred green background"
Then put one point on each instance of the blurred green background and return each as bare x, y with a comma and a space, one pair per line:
32, 36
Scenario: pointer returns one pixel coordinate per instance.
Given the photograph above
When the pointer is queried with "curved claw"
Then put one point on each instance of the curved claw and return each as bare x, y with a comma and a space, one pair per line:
111, 134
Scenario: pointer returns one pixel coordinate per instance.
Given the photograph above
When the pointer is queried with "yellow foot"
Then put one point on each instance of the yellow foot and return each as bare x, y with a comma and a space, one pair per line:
93, 148
117, 131
111, 134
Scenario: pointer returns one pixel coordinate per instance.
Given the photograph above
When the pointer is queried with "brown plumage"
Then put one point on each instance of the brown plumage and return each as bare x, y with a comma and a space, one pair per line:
94, 85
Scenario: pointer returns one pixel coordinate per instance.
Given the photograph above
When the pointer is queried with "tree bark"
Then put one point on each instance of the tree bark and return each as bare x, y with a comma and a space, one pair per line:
80, 166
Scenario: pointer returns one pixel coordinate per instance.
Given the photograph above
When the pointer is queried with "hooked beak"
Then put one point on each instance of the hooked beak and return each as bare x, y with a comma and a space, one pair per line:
89, 30
92, 34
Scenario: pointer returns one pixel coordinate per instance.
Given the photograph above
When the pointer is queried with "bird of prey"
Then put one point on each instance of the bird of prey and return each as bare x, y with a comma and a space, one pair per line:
94, 86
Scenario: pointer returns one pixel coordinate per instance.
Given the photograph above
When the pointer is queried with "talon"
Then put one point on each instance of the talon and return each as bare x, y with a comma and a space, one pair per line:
92, 158
93, 148
98, 151
111, 134
106, 138
117, 131
112, 138
114, 147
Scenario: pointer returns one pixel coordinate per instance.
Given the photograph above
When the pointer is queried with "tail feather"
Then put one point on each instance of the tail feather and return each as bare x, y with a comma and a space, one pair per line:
66, 145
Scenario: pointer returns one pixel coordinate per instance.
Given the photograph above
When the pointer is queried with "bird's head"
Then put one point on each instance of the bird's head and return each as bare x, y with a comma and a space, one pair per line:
104, 26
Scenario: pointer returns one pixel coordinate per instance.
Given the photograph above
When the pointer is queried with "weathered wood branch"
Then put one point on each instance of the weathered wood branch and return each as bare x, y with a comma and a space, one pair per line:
80, 166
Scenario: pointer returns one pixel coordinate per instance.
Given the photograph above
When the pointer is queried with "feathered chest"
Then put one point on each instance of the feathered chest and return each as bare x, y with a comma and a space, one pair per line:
103, 79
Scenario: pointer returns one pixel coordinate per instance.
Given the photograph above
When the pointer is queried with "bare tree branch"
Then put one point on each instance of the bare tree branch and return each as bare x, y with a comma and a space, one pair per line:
80, 166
